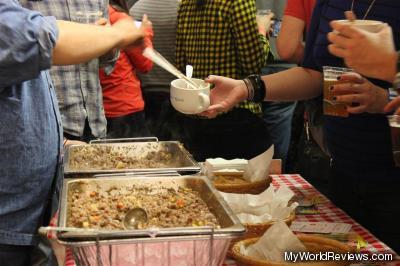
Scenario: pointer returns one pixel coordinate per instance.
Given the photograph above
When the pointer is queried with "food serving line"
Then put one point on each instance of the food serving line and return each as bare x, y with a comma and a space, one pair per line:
198, 245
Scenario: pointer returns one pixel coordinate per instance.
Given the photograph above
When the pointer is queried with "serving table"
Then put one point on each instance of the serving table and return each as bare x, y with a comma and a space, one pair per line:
328, 212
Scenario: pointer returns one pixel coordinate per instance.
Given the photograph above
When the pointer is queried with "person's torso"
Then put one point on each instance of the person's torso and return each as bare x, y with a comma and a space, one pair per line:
163, 20
207, 39
361, 141
30, 137
121, 89
77, 86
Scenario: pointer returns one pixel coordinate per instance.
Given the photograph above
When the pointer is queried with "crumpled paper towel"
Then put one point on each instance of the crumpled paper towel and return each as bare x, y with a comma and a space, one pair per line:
270, 205
273, 244
257, 168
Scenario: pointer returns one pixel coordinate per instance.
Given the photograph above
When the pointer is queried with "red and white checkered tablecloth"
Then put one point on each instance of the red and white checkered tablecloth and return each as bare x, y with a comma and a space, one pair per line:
328, 212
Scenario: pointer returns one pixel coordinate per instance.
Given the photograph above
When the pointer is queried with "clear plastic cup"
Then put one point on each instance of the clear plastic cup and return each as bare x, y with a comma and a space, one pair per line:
332, 107
263, 12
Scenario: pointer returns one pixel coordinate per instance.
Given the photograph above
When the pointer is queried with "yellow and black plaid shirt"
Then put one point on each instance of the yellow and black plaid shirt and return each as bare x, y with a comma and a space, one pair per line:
221, 38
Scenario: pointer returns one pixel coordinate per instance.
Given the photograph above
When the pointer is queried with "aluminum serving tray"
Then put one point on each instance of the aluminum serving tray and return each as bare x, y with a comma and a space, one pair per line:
182, 161
230, 225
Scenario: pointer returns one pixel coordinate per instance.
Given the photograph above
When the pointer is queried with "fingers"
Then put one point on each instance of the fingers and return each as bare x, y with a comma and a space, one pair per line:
213, 79
351, 99
345, 30
357, 110
339, 40
101, 22
352, 77
352, 83
392, 105
146, 23
350, 15
337, 51
212, 111
347, 88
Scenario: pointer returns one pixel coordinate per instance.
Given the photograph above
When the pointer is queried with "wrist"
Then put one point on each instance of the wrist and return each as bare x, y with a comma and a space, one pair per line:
255, 87
118, 37
244, 90
382, 101
262, 31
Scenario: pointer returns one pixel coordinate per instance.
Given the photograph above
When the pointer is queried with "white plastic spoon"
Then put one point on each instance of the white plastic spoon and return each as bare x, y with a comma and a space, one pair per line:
189, 71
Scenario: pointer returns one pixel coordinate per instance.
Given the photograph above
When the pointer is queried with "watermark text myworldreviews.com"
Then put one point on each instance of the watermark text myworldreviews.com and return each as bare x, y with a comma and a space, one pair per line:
332, 256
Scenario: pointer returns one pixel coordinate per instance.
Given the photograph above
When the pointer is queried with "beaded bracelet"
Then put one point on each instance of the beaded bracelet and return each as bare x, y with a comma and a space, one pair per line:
250, 89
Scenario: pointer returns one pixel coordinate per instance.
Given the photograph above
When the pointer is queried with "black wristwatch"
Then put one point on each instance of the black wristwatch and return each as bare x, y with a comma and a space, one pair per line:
255, 87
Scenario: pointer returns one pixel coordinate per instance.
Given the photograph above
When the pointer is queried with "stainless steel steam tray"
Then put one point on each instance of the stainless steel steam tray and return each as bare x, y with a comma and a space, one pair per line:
229, 225
128, 157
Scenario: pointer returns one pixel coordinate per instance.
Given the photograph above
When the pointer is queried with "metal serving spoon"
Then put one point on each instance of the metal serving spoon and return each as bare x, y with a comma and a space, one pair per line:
133, 217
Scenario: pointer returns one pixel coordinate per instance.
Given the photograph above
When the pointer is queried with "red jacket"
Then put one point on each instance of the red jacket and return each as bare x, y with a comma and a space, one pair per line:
122, 92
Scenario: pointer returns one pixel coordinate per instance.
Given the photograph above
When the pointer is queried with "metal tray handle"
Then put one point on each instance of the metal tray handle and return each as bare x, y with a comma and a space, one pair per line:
154, 173
97, 141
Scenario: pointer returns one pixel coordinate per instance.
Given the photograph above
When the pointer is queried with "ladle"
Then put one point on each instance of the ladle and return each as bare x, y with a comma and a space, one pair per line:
134, 217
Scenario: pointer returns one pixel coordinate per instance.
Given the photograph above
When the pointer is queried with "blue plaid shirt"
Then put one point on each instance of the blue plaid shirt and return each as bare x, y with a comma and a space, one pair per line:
77, 86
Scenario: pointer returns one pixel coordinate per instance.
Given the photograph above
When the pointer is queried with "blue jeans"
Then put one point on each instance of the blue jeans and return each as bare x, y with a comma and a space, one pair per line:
278, 116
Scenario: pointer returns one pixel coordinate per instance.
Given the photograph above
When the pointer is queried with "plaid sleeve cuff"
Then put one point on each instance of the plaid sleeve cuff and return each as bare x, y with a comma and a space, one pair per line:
267, 49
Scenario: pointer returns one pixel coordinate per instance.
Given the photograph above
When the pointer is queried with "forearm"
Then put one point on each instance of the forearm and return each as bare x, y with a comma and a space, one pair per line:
297, 83
293, 54
78, 43
290, 40
298, 54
